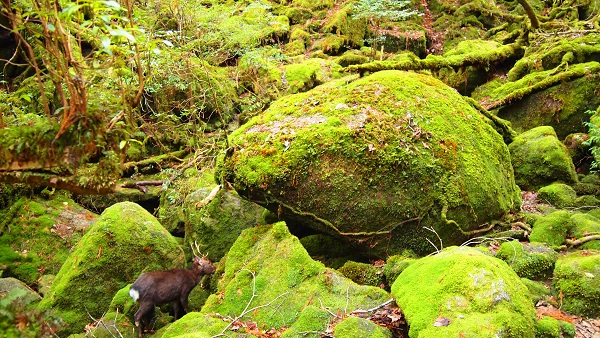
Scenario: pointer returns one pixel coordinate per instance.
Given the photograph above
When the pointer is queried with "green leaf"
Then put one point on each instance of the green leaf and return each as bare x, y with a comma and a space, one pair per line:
25, 97
168, 43
112, 4
121, 32
51, 27
122, 144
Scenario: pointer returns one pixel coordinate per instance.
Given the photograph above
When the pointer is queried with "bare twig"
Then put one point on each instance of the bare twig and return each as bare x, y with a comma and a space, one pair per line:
582, 240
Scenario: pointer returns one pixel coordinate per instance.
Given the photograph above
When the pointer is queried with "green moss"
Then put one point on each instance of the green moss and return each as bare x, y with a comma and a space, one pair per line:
268, 265
37, 235
539, 158
479, 294
362, 273
355, 327
113, 324
124, 242
394, 266
576, 281
409, 156
559, 195
533, 261
341, 23
311, 321
547, 327
552, 229
195, 324
351, 58
557, 98
538, 290
555, 52
306, 75
585, 225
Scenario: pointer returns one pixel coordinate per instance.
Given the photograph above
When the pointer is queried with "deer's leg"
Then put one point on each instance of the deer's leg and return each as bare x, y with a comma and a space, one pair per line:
141, 314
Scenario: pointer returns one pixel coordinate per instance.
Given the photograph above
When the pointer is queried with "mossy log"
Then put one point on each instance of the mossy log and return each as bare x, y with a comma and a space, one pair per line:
433, 62
569, 74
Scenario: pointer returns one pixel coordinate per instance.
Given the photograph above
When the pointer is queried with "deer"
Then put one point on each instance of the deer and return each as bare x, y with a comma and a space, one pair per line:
169, 286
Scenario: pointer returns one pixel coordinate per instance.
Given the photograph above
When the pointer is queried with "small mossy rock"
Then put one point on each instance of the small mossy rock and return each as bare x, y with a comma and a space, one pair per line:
37, 235
552, 229
585, 225
195, 324
538, 290
559, 195
587, 201
355, 327
480, 296
394, 266
548, 327
214, 225
304, 76
362, 273
533, 261
539, 159
268, 265
18, 294
373, 160
311, 319
123, 303
577, 280
125, 241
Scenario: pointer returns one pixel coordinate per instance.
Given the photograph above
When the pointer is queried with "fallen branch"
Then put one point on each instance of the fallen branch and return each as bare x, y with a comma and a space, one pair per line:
210, 197
374, 308
141, 185
158, 160
582, 240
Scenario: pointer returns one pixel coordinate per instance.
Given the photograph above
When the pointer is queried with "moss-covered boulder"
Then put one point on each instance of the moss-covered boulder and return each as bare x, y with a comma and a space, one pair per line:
552, 229
363, 273
267, 269
18, 316
462, 291
213, 222
373, 160
539, 159
197, 325
125, 241
533, 261
394, 266
355, 327
559, 195
576, 281
585, 225
38, 233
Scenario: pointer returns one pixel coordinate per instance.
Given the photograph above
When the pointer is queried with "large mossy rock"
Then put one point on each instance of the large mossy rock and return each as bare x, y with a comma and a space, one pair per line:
270, 278
576, 281
374, 160
467, 293
37, 235
539, 158
125, 241
213, 223
529, 260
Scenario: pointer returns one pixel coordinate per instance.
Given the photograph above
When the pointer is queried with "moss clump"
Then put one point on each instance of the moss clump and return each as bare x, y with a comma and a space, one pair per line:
125, 241
559, 195
355, 327
538, 290
585, 225
552, 229
539, 158
394, 266
533, 261
344, 161
304, 76
37, 235
362, 273
268, 265
547, 327
351, 58
577, 280
480, 295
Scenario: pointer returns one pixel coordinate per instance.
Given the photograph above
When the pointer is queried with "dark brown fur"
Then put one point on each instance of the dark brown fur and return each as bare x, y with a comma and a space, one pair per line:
161, 287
